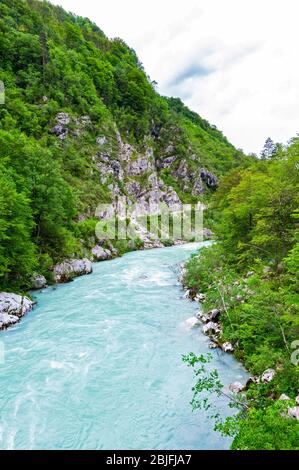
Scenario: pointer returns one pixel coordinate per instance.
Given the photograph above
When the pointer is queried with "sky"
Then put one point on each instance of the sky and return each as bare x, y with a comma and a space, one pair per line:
234, 62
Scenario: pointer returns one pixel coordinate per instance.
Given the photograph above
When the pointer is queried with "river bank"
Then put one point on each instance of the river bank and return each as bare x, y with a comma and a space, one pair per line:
241, 308
13, 307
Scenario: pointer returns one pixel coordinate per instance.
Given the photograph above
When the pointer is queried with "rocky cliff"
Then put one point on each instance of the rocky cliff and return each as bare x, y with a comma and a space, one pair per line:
83, 125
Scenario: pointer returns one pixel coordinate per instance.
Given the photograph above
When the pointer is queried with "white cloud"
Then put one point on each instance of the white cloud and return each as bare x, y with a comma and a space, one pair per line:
234, 62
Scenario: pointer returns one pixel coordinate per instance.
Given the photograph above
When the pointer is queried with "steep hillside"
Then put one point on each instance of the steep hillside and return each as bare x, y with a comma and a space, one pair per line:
82, 125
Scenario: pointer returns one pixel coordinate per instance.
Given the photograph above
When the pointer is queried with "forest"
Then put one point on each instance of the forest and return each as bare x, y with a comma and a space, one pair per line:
251, 274
54, 62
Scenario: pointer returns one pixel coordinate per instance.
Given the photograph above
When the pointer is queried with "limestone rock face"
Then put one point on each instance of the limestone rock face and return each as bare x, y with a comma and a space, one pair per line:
194, 181
12, 308
67, 270
139, 167
166, 162
198, 188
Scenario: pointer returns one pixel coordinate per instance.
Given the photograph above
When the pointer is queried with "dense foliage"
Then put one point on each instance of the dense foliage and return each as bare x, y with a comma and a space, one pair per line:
251, 274
52, 62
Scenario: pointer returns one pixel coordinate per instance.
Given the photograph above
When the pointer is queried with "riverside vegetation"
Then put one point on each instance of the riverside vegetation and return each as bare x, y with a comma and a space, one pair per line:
251, 276
83, 124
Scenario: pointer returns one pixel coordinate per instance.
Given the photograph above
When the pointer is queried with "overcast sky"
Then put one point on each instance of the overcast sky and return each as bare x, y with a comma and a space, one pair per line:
235, 62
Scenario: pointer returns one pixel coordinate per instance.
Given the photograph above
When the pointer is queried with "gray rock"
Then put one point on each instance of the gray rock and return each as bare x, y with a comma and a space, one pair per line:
203, 317
228, 347
12, 308
267, 270
187, 294
69, 269
131, 245
214, 314
166, 162
134, 188
101, 140
252, 380
170, 149
236, 387
207, 234
284, 397
213, 345
38, 281
138, 167
200, 297
209, 178
198, 188
153, 244
211, 328
268, 375
172, 200
294, 412
60, 131
63, 119
84, 120
117, 169
250, 273
101, 254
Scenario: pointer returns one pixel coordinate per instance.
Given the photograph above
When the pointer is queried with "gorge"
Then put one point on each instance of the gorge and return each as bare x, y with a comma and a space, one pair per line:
98, 363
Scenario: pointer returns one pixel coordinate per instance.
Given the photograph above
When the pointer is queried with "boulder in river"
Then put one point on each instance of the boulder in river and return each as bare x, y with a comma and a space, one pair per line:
211, 328
203, 317
228, 347
214, 314
192, 322
12, 308
67, 270
38, 282
236, 387
200, 297
101, 254
253, 379
211, 316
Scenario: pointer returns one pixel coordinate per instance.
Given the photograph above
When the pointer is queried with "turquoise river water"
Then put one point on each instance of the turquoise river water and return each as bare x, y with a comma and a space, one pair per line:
97, 364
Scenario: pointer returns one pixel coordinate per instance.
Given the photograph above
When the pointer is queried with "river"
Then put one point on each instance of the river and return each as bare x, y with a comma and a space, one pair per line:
97, 364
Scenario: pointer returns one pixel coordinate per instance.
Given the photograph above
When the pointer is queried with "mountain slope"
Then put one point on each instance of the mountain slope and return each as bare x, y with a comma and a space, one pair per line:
81, 125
